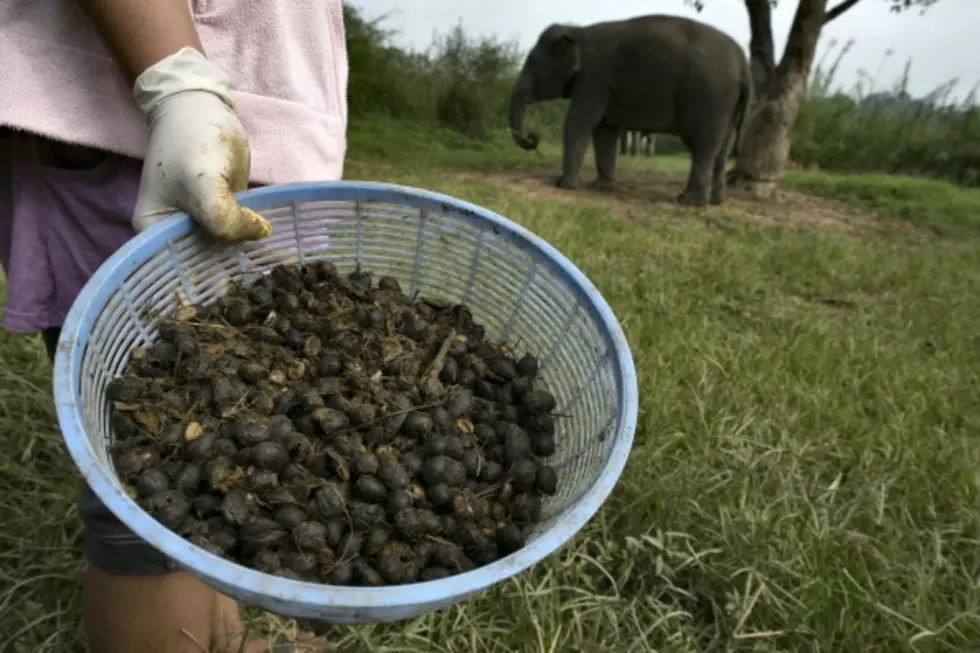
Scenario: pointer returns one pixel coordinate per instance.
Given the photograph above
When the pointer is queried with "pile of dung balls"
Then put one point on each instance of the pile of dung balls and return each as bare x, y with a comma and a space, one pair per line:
323, 427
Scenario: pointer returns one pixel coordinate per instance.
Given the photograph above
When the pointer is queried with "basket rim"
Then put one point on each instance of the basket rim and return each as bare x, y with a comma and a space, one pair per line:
285, 592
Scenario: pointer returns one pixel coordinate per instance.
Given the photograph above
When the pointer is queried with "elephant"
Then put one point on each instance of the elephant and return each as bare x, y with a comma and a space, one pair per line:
631, 138
656, 73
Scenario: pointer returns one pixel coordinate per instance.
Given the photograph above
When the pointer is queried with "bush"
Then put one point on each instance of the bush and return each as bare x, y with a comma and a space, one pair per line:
383, 79
473, 80
887, 131
461, 83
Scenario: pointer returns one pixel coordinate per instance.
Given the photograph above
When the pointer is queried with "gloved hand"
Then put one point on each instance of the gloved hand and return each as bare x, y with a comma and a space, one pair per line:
198, 154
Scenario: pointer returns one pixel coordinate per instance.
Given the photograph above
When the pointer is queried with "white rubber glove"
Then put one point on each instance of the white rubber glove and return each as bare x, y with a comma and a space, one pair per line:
198, 154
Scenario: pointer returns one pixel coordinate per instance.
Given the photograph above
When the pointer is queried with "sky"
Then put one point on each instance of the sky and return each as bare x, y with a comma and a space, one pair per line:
942, 44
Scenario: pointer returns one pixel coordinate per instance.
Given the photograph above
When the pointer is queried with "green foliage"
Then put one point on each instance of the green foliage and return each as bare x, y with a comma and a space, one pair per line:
474, 79
887, 131
461, 82
382, 77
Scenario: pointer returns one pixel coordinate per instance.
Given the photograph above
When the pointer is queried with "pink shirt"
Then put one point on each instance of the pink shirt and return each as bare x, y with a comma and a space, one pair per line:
287, 61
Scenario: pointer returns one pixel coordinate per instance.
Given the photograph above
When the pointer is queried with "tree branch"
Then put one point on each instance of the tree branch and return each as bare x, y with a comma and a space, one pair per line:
762, 56
803, 35
839, 9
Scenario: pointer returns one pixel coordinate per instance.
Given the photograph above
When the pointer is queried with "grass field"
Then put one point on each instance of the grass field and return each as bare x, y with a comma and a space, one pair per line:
806, 473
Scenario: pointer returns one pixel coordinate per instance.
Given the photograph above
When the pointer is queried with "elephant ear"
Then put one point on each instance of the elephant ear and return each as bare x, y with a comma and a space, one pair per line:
565, 47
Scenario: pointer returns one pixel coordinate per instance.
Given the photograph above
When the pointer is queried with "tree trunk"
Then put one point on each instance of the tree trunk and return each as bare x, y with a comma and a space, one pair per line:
765, 140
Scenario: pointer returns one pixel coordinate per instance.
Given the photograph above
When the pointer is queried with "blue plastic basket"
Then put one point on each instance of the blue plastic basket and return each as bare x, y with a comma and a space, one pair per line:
516, 284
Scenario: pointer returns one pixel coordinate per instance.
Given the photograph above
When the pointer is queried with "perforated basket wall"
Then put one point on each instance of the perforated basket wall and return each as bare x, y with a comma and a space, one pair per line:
516, 285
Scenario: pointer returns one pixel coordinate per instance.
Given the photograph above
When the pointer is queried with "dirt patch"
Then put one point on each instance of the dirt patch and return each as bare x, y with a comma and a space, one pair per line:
639, 195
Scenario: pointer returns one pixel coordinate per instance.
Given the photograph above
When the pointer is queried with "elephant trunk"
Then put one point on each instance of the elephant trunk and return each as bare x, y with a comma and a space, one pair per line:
520, 97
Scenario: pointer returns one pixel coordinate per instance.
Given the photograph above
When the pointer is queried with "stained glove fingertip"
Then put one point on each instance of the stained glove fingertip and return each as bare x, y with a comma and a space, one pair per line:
258, 227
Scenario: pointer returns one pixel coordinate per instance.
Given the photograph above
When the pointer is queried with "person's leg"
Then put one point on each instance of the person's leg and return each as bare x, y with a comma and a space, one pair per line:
164, 613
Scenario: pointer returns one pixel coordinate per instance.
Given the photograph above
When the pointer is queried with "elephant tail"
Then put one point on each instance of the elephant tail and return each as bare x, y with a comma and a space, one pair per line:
741, 108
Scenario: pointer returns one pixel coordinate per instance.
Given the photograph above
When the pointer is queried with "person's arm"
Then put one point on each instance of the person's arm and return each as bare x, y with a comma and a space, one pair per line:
139, 33
198, 154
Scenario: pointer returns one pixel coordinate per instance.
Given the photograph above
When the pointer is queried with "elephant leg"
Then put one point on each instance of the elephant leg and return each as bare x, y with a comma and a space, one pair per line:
604, 147
584, 113
635, 135
575, 145
623, 138
718, 181
700, 178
